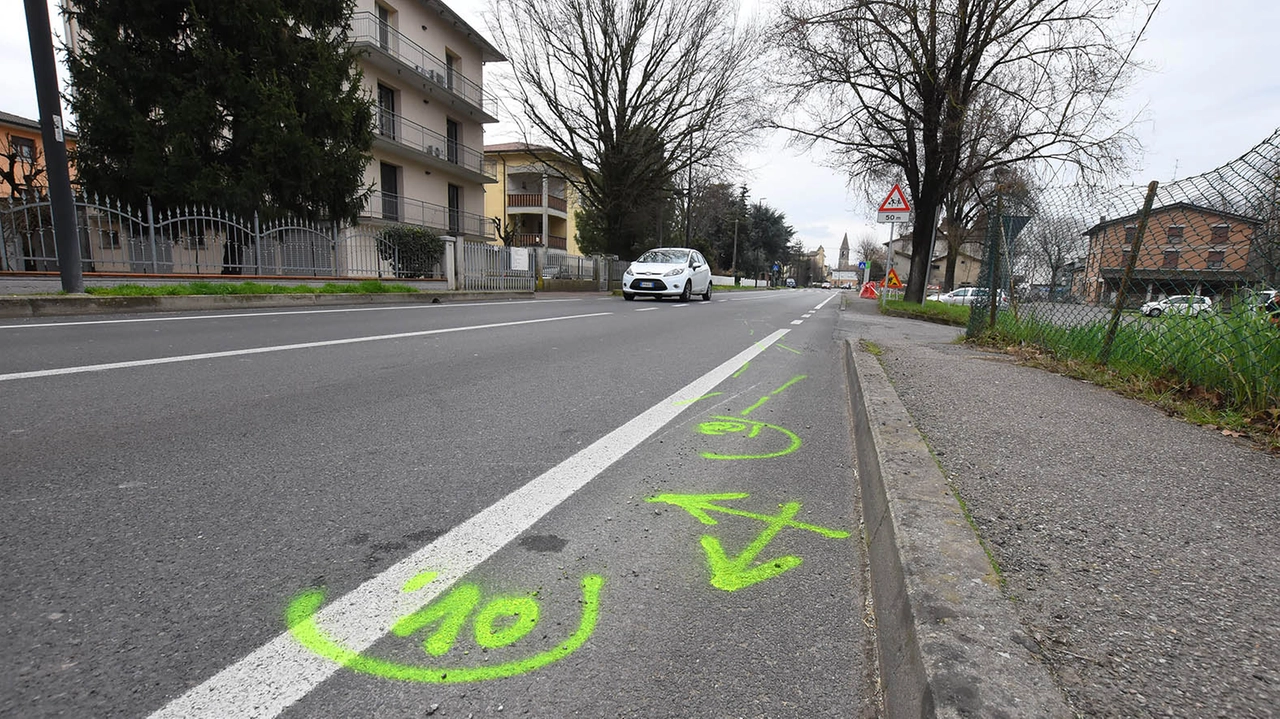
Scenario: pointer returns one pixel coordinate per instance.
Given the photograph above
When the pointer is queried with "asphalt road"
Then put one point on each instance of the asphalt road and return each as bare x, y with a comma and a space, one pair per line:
453, 504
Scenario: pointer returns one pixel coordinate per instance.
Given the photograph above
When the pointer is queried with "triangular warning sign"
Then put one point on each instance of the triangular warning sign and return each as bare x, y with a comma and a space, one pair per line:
892, 280
895, 202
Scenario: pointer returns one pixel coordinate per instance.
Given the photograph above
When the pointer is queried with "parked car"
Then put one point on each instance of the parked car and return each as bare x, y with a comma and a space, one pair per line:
791, 282
1179, 304
668, 272
826, 285
973, 296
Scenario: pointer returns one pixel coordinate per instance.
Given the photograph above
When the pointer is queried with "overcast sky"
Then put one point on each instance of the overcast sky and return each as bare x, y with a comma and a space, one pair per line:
1211, 94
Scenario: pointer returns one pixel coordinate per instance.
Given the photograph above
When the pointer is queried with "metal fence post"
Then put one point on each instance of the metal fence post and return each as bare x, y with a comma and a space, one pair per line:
1122, 294
333, 245
151, 233
257, 245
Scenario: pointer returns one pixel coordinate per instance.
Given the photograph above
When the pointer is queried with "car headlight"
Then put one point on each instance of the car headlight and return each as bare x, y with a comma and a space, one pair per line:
673, 273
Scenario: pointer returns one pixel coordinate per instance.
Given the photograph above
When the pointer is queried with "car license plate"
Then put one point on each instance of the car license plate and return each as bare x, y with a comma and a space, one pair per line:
647, 285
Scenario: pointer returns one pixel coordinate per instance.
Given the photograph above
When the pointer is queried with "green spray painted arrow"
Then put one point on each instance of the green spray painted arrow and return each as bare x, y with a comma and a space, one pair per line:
737, 573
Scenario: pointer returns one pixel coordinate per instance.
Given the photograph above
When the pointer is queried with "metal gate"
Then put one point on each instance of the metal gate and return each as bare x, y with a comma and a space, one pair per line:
489, 267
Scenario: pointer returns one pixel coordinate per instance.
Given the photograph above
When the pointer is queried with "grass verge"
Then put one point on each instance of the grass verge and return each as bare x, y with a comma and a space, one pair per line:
930, 311
364, 287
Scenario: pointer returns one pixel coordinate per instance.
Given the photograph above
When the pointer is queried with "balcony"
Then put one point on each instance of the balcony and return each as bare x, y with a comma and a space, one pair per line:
523, 201
392, 50
442, 219
534, 239
396, 133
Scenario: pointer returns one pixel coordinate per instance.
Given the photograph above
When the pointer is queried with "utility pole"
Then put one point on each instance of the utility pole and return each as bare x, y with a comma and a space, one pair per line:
62, 202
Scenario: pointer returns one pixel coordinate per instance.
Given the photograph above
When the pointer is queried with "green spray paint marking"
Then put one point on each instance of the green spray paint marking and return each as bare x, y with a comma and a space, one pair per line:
732, 574
721, 425
731, 425
744, 367
784, 347
300, 617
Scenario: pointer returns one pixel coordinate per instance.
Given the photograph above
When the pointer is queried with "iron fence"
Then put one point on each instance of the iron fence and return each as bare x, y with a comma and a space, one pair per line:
1175, 281
201, 240
494, 267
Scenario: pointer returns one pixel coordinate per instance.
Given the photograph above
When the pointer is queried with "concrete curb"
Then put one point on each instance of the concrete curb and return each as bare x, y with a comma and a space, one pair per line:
50, 306
949, 644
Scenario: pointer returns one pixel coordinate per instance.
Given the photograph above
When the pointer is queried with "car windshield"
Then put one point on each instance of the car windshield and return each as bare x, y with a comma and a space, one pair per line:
665, 257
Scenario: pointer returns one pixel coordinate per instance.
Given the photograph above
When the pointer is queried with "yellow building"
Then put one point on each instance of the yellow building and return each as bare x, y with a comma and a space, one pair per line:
532, 201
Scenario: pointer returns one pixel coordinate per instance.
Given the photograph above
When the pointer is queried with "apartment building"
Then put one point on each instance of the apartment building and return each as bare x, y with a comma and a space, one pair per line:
532, 198
424, 65
1187, 249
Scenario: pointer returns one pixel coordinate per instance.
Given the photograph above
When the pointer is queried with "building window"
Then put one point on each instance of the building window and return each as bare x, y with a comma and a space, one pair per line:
453, 131
390, 186
1170, 259
384, 27
1129, 232
386, 111
1216, 258
455, 210
1220, 233
450, 65
1174, 234
24, 149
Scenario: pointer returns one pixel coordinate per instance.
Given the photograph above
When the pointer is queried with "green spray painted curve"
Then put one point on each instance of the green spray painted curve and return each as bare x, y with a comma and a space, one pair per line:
300, 617
721, 425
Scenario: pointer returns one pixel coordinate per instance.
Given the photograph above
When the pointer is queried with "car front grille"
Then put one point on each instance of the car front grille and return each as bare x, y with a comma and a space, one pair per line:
648, 284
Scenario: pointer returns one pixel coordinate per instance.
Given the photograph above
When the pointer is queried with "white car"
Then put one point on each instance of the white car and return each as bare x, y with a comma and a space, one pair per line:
973, 296
1182, 304
668, 272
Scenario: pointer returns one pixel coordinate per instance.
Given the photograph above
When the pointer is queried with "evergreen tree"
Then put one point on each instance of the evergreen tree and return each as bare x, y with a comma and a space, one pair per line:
240, 104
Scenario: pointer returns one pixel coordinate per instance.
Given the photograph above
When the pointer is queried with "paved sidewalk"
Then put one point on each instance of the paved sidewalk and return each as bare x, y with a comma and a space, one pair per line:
1141, 553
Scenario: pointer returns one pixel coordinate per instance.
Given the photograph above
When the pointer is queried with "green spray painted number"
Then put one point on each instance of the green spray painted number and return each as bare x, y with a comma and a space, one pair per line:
720, 425
501, 622
734, 573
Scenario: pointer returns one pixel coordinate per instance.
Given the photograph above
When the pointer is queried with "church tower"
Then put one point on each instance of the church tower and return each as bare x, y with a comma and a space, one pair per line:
844, 253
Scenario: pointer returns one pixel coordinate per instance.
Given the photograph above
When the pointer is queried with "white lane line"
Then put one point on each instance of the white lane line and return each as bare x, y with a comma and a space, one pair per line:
646, 309
386, 308
797, 322
273, 677
680, 305
807, 315
820, 304
277, 348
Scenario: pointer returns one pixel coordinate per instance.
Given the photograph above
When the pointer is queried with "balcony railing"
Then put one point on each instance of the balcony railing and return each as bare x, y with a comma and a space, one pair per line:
402, 130
397, 208
534, 239
534, 199
367, 29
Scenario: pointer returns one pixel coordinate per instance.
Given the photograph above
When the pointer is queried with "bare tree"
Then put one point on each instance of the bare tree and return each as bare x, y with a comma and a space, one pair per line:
871, 251
940, 91
634, 93
21, 167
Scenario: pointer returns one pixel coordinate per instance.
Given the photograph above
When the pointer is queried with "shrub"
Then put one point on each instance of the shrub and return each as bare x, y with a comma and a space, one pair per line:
412, 251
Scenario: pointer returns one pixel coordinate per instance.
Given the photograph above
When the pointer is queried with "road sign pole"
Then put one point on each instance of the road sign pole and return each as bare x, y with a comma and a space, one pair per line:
893, 226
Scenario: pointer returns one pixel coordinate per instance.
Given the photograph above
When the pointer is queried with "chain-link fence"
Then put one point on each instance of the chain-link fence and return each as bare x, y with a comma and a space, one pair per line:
1175, 281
